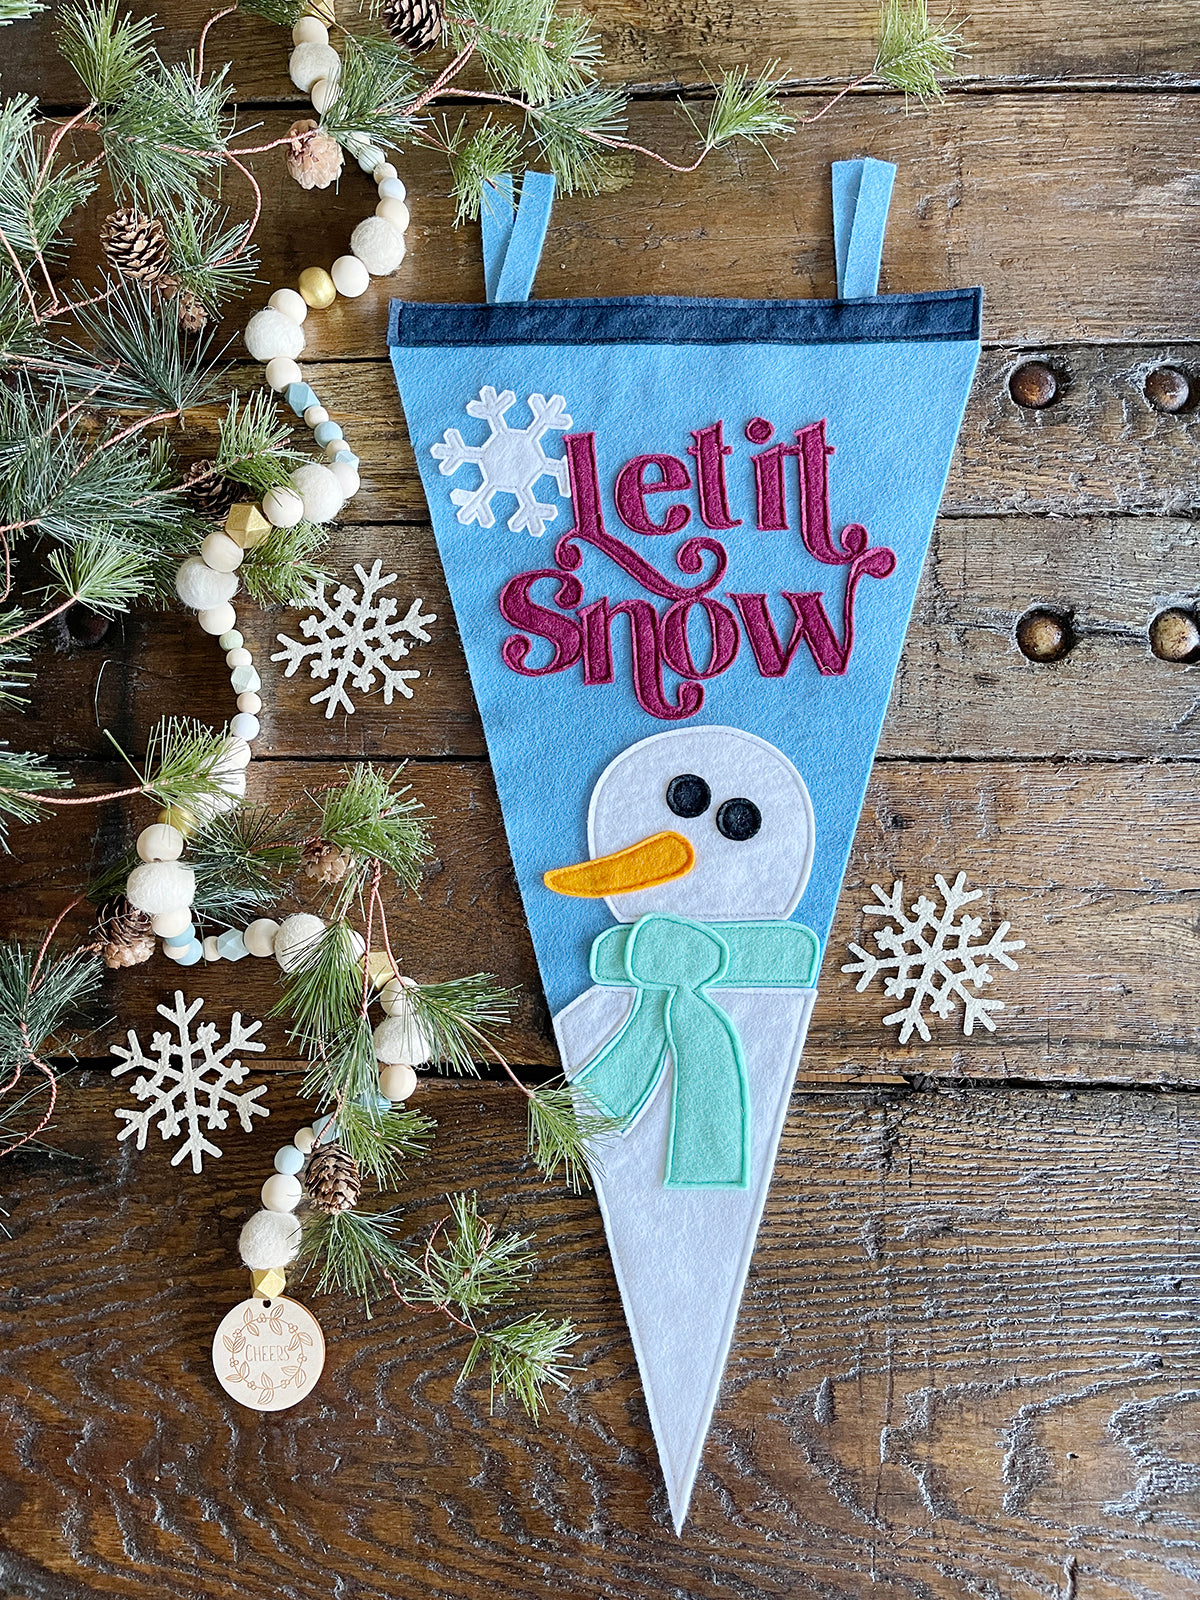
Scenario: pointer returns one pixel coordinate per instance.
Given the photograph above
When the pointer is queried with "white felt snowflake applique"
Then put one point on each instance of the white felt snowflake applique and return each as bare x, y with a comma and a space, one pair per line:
931, 957
187, 1081
354, 637
510, 461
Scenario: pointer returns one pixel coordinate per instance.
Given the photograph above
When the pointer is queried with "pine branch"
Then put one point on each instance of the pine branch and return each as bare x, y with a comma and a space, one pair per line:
255, 446
184, 764
491, 152
15, 672
109, 54
105, 577
526, 47
34, 204
748, 108
913, 49
367, 815
283, 13
18, 10
524, 1357
571, 134
345, 1070
210, 256
565, 1127
322, 996
352, 1252
155, 367
381, 1140
282, 570
459, 1016
24, 778
377, 86
242, 859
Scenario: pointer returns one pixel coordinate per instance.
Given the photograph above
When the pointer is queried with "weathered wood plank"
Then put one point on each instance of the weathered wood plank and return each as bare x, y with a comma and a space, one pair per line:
964, 1365
1097, 868
666, 46
1073, 212
964, 688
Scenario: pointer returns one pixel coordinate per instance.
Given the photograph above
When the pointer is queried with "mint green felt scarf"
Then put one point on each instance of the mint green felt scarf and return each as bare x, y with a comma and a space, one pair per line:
673, 962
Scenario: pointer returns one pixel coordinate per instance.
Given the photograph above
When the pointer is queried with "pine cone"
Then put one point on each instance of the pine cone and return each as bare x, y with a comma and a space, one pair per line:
136, 246
325, 862
415, 24
313, 158
211, 496
333, 1180
190, 310
127, 934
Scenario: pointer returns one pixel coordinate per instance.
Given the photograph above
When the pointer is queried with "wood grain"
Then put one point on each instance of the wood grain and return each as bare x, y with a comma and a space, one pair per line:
965, 1366
1105, 989
662, 46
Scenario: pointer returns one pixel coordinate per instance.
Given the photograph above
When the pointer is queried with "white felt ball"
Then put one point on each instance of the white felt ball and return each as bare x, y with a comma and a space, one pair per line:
283, 508
346, 474
282, 1192
398, 1081
269, 1239
167, 924
310, 30
245, 725
401, 1040
259, 937
219, 552
310, 61
383, 172
249, 701
160, 886
378, 246
350, 277
395, 212
160, 842
319, 491
295, 938
217, 619
281, 372
199, 586
293, 306
392, 188
269, 334
324, 93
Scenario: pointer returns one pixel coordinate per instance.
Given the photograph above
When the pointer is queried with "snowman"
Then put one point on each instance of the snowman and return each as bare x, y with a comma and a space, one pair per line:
701, 841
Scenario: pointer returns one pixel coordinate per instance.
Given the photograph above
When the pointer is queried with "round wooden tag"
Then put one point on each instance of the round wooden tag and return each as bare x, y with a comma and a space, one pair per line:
269, 1353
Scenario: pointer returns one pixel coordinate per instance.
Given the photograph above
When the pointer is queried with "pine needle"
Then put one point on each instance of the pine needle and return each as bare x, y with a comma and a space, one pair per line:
41, 1016
241, 859
255, 446
107, 576
352, 1252
322, 993
283, 569
492, 151
913, 50
459, 1017
107, 53
524, 1357
23, 776
184, 760
369, 816
565, 1127
381, 1141
748, 108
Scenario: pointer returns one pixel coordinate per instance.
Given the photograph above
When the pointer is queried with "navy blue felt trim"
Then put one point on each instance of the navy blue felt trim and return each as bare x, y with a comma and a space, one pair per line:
947, 314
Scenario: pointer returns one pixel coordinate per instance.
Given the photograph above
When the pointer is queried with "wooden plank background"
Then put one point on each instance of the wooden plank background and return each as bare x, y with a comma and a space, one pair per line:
967, 1363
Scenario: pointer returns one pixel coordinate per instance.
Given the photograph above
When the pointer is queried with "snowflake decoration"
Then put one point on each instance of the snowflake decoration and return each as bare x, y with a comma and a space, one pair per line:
510, 461
354, 638
933, 958
186, 1081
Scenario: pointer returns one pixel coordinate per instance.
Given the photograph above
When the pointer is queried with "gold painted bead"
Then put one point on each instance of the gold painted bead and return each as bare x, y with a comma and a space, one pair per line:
177, 817
316, 288
246, 526
322, 9
268, 1282
379, 968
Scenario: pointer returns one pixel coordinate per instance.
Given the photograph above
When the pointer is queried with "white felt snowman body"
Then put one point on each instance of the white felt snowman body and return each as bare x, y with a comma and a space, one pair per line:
729, 819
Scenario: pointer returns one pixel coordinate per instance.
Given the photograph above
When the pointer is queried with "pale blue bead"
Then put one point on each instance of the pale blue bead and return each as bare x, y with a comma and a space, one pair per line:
300, 396
345, 455
231, 946
245, 680
231, 640
327, 432
192, 954
288, 1160
382, 1103
320, 1125
186, 937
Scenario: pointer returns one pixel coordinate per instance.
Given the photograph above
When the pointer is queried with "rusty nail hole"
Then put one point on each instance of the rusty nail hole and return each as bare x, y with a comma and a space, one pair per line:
1034, 385
1174, 635
1044, 635
85, 628
1168, 389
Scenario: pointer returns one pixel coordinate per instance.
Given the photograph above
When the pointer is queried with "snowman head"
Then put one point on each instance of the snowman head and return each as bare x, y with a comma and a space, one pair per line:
710, 823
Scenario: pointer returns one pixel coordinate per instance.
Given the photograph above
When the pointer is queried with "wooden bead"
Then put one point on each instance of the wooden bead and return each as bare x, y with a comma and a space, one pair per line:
317, 287
310, 30
1044, 635
324, 93
246, 525
350, 277
239, 658
219, 552
398, 1082
170, 924
393, 996
310, 61
391, 188
282, 1192
267, 1283
323, 9
1168, 389
217, 619
245, 725
288, 1158
211, 953
303, 1140
379, 968
1033, 385
385, 172
282, 507
259, 937
395, 212
231, 640
290, 304
1174, 635
160, 842
315, 415
282, 372
250, 702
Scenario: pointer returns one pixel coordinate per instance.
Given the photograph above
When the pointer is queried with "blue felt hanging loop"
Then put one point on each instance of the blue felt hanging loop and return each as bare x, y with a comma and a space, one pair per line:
862, 192
513, 240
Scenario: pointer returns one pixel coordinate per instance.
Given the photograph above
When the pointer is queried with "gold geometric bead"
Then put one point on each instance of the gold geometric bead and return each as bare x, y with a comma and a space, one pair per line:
316, 288
379, 967
268, 1282
322, 9
246, 526
177, 817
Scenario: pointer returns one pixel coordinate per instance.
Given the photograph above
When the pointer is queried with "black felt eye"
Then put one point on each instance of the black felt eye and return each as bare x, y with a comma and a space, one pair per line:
688, 795
739, 820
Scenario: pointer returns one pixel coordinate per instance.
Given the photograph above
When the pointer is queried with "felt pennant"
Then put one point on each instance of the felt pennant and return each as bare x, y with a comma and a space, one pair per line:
682, 539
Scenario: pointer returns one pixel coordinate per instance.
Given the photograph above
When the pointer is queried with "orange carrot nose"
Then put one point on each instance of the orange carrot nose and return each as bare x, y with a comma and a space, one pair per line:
656, 860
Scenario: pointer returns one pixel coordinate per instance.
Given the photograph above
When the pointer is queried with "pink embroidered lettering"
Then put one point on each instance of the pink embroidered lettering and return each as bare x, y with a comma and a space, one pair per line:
710, 451
724, 638
632, 489
596, 620
561, 633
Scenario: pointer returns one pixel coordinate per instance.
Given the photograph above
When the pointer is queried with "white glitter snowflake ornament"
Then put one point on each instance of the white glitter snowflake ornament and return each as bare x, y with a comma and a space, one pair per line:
354, 638
932, 959
510, 461
187, 1081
